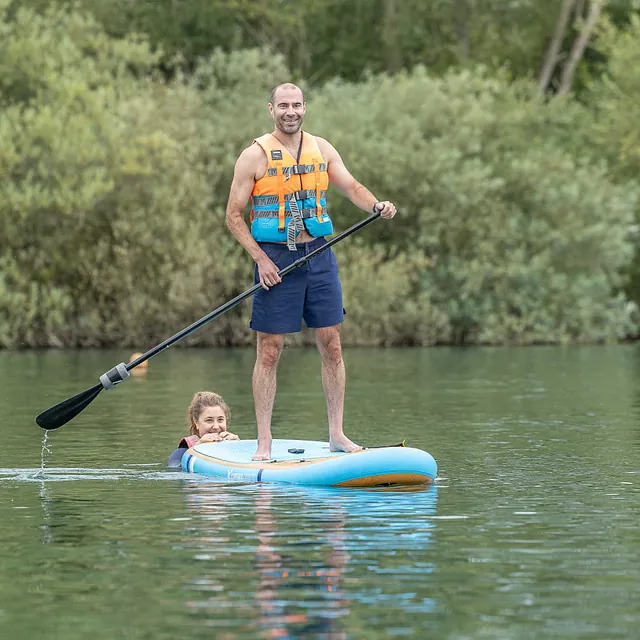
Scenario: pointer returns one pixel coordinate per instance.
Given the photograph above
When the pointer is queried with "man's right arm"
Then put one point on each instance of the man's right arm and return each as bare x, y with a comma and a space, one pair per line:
239, 194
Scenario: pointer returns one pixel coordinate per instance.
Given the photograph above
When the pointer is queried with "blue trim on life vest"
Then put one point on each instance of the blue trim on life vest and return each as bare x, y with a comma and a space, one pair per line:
307, 203
266, 229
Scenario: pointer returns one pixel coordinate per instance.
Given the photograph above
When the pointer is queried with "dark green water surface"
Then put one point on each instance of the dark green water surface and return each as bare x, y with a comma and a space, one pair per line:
531, 531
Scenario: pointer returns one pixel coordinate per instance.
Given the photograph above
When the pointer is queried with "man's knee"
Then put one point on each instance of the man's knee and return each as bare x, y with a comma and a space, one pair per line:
269, 348
328, 339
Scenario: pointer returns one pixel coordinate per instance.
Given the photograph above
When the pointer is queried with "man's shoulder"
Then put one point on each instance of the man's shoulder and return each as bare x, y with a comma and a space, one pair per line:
251, 154
318, 139
251, 163
253, 150
323, 143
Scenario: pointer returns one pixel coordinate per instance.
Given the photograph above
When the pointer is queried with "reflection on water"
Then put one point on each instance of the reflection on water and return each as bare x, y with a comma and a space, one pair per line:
305, 543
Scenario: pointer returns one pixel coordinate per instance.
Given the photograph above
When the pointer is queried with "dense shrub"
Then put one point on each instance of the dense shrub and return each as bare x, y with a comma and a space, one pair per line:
525, 242
115, 183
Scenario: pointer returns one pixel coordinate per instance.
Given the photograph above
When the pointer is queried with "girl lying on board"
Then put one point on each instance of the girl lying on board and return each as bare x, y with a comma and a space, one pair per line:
207, 416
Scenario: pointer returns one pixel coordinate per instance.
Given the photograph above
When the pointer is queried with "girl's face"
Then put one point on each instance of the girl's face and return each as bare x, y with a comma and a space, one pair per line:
212, 420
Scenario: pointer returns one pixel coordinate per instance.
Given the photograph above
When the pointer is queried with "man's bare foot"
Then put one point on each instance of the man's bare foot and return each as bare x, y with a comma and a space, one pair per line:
342, 443
263, 452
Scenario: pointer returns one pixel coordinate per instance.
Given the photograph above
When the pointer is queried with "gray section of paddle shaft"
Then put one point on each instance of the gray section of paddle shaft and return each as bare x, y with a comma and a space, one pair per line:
114, 376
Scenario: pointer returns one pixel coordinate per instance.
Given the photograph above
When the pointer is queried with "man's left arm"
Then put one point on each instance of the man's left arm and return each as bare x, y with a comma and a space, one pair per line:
340, 177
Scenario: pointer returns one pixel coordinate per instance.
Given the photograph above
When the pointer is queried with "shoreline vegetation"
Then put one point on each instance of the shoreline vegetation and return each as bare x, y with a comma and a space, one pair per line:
513, 162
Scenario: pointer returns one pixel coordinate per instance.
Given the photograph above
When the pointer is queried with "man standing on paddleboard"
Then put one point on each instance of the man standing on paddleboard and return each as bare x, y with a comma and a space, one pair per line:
286, 174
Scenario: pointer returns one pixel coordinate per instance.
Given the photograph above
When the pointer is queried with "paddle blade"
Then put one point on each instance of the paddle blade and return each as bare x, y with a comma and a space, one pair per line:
67, 409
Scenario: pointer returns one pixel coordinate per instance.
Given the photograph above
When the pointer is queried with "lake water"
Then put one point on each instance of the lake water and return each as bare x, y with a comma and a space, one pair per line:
531, 530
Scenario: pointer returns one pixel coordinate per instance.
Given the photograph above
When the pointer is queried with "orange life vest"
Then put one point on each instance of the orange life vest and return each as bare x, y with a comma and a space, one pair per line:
292, 190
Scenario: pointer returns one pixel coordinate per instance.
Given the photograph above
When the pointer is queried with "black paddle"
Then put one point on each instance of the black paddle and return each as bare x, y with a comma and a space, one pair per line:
66, 410
385, 446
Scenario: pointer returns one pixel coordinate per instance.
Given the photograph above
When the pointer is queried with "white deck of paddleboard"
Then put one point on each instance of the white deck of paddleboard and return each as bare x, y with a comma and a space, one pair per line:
241, 451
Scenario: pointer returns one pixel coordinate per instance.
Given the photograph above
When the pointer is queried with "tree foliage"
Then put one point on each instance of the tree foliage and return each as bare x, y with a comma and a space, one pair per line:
321, 39
517, 215
525, 242
615, 101
96, 167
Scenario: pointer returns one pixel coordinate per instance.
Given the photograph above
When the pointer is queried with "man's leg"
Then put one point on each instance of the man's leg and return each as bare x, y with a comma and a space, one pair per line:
333, 383
269, 348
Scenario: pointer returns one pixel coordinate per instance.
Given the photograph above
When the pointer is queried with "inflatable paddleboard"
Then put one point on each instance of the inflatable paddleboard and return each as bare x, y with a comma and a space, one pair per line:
310, 462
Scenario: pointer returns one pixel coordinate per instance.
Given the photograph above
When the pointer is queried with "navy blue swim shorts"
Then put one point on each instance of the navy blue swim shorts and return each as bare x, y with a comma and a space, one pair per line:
311, 292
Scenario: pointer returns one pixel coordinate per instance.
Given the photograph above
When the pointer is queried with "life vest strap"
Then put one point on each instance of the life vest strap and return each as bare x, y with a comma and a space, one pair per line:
273, 213
301, 169
295, 227
280, 177
318, 203
302, 194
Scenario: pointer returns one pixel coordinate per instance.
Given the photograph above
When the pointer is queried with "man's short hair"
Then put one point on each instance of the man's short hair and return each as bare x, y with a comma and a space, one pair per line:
288, 85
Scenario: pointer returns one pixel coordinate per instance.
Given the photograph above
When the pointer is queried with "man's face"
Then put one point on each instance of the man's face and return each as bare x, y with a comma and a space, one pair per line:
288, 110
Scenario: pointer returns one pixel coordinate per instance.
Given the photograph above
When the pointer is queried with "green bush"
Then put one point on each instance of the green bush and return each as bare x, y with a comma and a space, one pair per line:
104, 188
614, 98
115, 182
383, 298
526, 242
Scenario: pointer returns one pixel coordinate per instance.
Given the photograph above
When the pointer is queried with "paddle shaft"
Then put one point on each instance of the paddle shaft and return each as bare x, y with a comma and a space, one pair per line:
216, 313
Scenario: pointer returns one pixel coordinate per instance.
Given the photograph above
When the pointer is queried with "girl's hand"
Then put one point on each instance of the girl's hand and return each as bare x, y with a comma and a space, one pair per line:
210, 437
230, 436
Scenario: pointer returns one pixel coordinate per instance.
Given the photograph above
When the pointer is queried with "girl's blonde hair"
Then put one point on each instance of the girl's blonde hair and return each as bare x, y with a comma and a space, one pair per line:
201, 401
